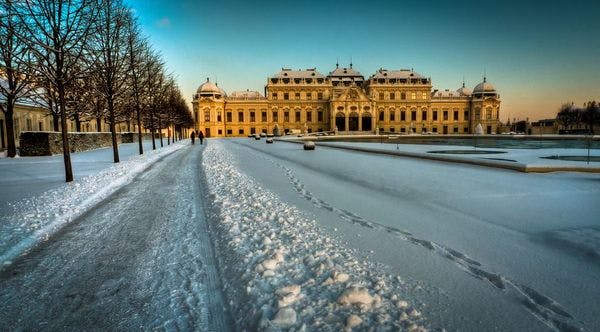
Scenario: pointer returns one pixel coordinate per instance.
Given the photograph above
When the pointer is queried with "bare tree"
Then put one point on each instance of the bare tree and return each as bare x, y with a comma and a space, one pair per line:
136, 46
16, 79
110, 58
591, 115
58, 31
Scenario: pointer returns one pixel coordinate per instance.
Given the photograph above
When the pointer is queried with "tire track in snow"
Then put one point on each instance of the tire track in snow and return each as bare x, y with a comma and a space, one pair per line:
540, 306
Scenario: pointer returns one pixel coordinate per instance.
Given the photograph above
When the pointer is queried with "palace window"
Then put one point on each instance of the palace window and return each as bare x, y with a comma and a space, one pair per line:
240, 116
297, 116
434, 129
320, 95
445, 115
275, 116
392, 130
263, 116
207, 116
320, 116
240, 131
381, 115
297, 95
309, 96
252, 117
286, 116
466, 115
455, 130
392, 96
402, 116
402, 130
413, 115
403, 95
413, 95
434, 115
252, 130
424, 95
229, 117
229, 132
286, 96
274, 95
218, 116
309, 116
424, 115
381, 96
466, 129
220, 132
455, 115
392, 116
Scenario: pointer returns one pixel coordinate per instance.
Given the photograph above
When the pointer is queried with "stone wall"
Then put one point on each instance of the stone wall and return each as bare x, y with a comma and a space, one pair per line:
46, 143
133, 137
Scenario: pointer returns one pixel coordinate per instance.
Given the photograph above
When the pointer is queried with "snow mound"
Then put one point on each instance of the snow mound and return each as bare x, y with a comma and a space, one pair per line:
281, 270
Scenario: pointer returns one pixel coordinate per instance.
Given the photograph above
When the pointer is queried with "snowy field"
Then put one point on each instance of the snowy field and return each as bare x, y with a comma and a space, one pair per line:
475, 248
302, 240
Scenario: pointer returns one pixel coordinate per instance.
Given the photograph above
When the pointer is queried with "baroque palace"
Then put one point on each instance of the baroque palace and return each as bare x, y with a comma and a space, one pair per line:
390, 101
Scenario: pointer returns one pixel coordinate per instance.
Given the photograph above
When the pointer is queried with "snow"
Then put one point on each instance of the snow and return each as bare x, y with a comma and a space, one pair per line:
334, 239
276, 261
477, 247
27, 221
527, 157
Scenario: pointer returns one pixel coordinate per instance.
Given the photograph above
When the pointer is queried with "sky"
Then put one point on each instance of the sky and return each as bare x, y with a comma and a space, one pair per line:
537, 55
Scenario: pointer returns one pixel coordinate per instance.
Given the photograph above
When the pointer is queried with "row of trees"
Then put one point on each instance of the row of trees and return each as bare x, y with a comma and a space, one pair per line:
570, 115
87, 60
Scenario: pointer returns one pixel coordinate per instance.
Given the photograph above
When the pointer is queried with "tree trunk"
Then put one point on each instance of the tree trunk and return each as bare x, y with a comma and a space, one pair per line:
152, 129
113, 133
77, 123
10, 130
55, 121
139, 124
160, 132
99, 124
64, 131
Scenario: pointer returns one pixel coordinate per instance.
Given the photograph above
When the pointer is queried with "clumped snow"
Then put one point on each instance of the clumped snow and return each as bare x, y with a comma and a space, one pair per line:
34, 219
281, 270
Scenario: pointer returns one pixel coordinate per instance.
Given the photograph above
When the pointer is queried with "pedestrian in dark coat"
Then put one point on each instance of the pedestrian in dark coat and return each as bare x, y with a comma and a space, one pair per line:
193, 137
201, 136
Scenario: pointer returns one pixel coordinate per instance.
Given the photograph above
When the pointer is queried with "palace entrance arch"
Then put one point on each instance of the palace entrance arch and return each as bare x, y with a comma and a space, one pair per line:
367, 122
353, 122
340, 121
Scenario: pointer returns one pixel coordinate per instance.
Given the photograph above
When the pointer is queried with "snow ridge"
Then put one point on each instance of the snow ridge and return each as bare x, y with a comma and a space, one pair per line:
35, 219
281, 271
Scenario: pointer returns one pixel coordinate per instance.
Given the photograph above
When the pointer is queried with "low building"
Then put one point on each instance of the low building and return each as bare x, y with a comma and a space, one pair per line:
393, 101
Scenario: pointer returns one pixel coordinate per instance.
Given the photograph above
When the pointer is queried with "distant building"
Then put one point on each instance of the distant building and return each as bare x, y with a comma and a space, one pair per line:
393, 101
544, 127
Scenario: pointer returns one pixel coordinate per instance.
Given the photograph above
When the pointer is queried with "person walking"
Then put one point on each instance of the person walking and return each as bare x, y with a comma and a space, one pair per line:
193, 137
201, 136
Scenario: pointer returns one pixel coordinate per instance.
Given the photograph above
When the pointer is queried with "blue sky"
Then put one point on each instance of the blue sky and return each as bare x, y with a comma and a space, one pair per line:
537, 55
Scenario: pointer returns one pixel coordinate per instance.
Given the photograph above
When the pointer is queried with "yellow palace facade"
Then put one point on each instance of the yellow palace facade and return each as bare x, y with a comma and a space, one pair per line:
390, 101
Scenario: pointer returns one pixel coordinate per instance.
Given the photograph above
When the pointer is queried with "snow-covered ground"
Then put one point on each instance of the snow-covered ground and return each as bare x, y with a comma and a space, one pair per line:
305, 240
31, 212
284, 272
478, 248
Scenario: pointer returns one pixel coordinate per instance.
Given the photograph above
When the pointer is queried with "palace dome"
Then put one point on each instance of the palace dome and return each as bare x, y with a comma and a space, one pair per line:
209, 88
484, 87
464, 90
